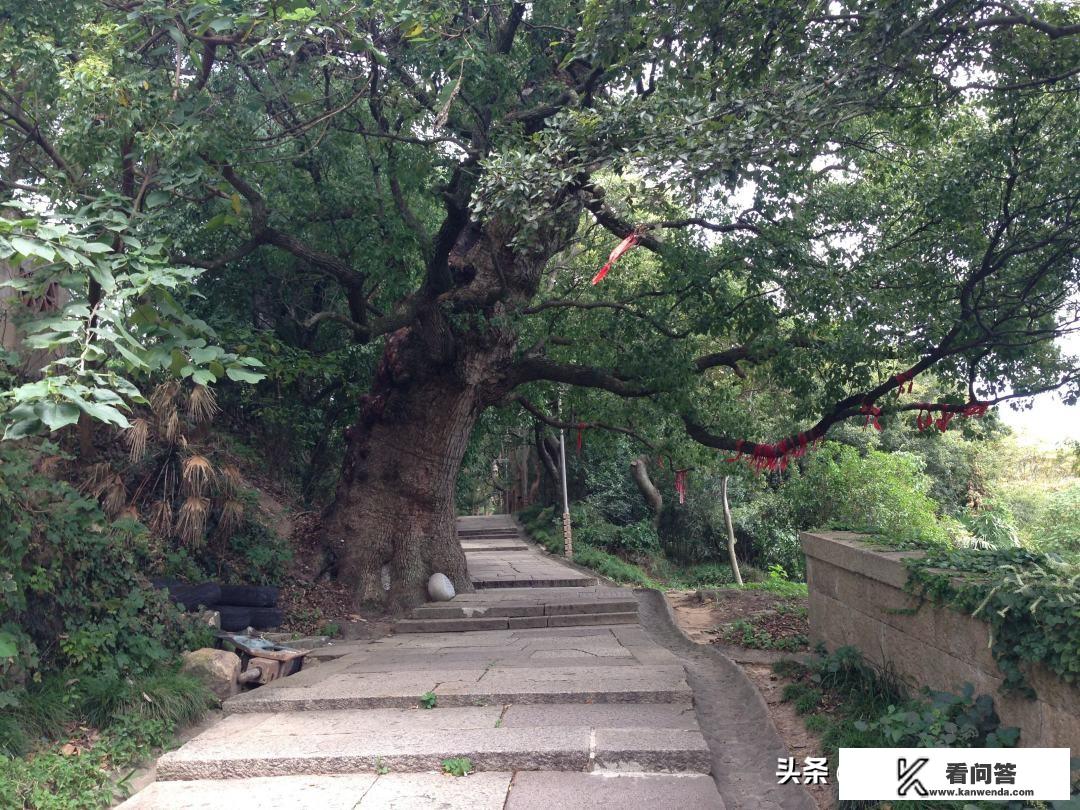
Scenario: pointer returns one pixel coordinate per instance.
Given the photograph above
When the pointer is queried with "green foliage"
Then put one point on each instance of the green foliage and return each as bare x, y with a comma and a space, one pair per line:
73, 593
457, 766
262, 555
851, 705
428, 700
1030, 600
164, 695
1054, 522
876, 493
746, 633
612, 567
120, 319
947, 721
134, 716
993, 524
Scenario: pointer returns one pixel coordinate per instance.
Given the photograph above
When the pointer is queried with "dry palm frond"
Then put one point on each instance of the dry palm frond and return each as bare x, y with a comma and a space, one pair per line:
170, 426
163, 398
231, 480
116, 498
191, 521
231, 518
99, 477
202, 405
198, 472
160, 519
129, 512
135, 437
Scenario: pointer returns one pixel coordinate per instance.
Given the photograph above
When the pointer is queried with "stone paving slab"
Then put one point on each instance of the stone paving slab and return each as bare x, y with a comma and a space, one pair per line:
276, 750
522, 569
585, 706
602, 715
581, 684
436, 791
324, 792
490, 749
396, 791
467, 624
651, 749
532, 790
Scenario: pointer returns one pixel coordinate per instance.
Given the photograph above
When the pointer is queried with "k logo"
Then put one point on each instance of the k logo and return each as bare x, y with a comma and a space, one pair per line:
906, 774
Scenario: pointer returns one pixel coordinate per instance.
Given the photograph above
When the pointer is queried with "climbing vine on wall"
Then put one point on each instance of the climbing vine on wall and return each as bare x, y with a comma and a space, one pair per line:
1030, 600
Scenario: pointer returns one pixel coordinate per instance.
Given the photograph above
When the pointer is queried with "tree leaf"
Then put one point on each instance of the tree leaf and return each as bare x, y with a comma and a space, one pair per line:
56, 415
240, 375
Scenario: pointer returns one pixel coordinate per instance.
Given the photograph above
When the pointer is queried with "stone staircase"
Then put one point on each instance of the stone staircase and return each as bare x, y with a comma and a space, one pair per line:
517, 588
572, 706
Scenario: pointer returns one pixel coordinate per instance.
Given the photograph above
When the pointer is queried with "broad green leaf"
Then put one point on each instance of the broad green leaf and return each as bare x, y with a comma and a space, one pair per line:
104, 413
56, 415
28, 248
240, 375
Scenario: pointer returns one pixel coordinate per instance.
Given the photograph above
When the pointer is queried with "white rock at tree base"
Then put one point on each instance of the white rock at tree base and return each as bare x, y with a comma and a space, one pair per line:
440, 588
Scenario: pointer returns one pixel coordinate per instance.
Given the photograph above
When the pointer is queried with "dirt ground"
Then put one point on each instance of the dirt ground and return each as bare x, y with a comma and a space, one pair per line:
800, 742
701, 613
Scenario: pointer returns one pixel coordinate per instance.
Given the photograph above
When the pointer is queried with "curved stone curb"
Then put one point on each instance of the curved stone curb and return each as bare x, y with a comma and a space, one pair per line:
732, 714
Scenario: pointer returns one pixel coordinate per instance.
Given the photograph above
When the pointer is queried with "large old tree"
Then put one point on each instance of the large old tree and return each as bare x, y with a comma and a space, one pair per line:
831, 196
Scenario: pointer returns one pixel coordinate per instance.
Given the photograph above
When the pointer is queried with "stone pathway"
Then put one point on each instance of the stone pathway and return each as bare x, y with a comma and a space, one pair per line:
550, 716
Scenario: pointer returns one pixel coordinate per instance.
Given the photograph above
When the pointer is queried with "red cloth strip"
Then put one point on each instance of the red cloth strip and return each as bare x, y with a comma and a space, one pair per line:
613, 257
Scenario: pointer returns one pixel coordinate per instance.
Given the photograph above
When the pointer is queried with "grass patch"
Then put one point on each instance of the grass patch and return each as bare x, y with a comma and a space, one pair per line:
72, 740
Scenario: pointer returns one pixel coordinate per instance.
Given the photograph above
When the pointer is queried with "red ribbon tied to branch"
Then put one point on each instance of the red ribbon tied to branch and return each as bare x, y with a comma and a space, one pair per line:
613, 257
872, 413
680, 485
926, 419
904, 377
580, 435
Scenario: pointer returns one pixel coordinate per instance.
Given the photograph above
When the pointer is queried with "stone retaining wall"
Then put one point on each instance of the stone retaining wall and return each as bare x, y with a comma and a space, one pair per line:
857, 599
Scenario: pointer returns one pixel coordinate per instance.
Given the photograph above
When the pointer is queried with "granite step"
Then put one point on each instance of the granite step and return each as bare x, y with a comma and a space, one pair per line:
350, 687
344, 742
536, 581
507, 602
470, 624
489, 790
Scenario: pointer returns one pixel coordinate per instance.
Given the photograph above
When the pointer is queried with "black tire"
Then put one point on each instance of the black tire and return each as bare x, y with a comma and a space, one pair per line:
191, 597
249, 595
267, 618
234, 618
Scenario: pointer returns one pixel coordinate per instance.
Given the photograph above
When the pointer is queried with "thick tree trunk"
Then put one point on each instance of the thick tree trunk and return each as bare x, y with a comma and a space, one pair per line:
392, 523
393, 518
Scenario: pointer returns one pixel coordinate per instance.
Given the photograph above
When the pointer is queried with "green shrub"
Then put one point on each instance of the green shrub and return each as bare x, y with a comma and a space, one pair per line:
878, 493
73, 594
612, 567
263, 555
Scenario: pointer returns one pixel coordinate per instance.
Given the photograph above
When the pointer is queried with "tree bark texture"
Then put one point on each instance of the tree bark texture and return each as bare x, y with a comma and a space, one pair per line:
392, 523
